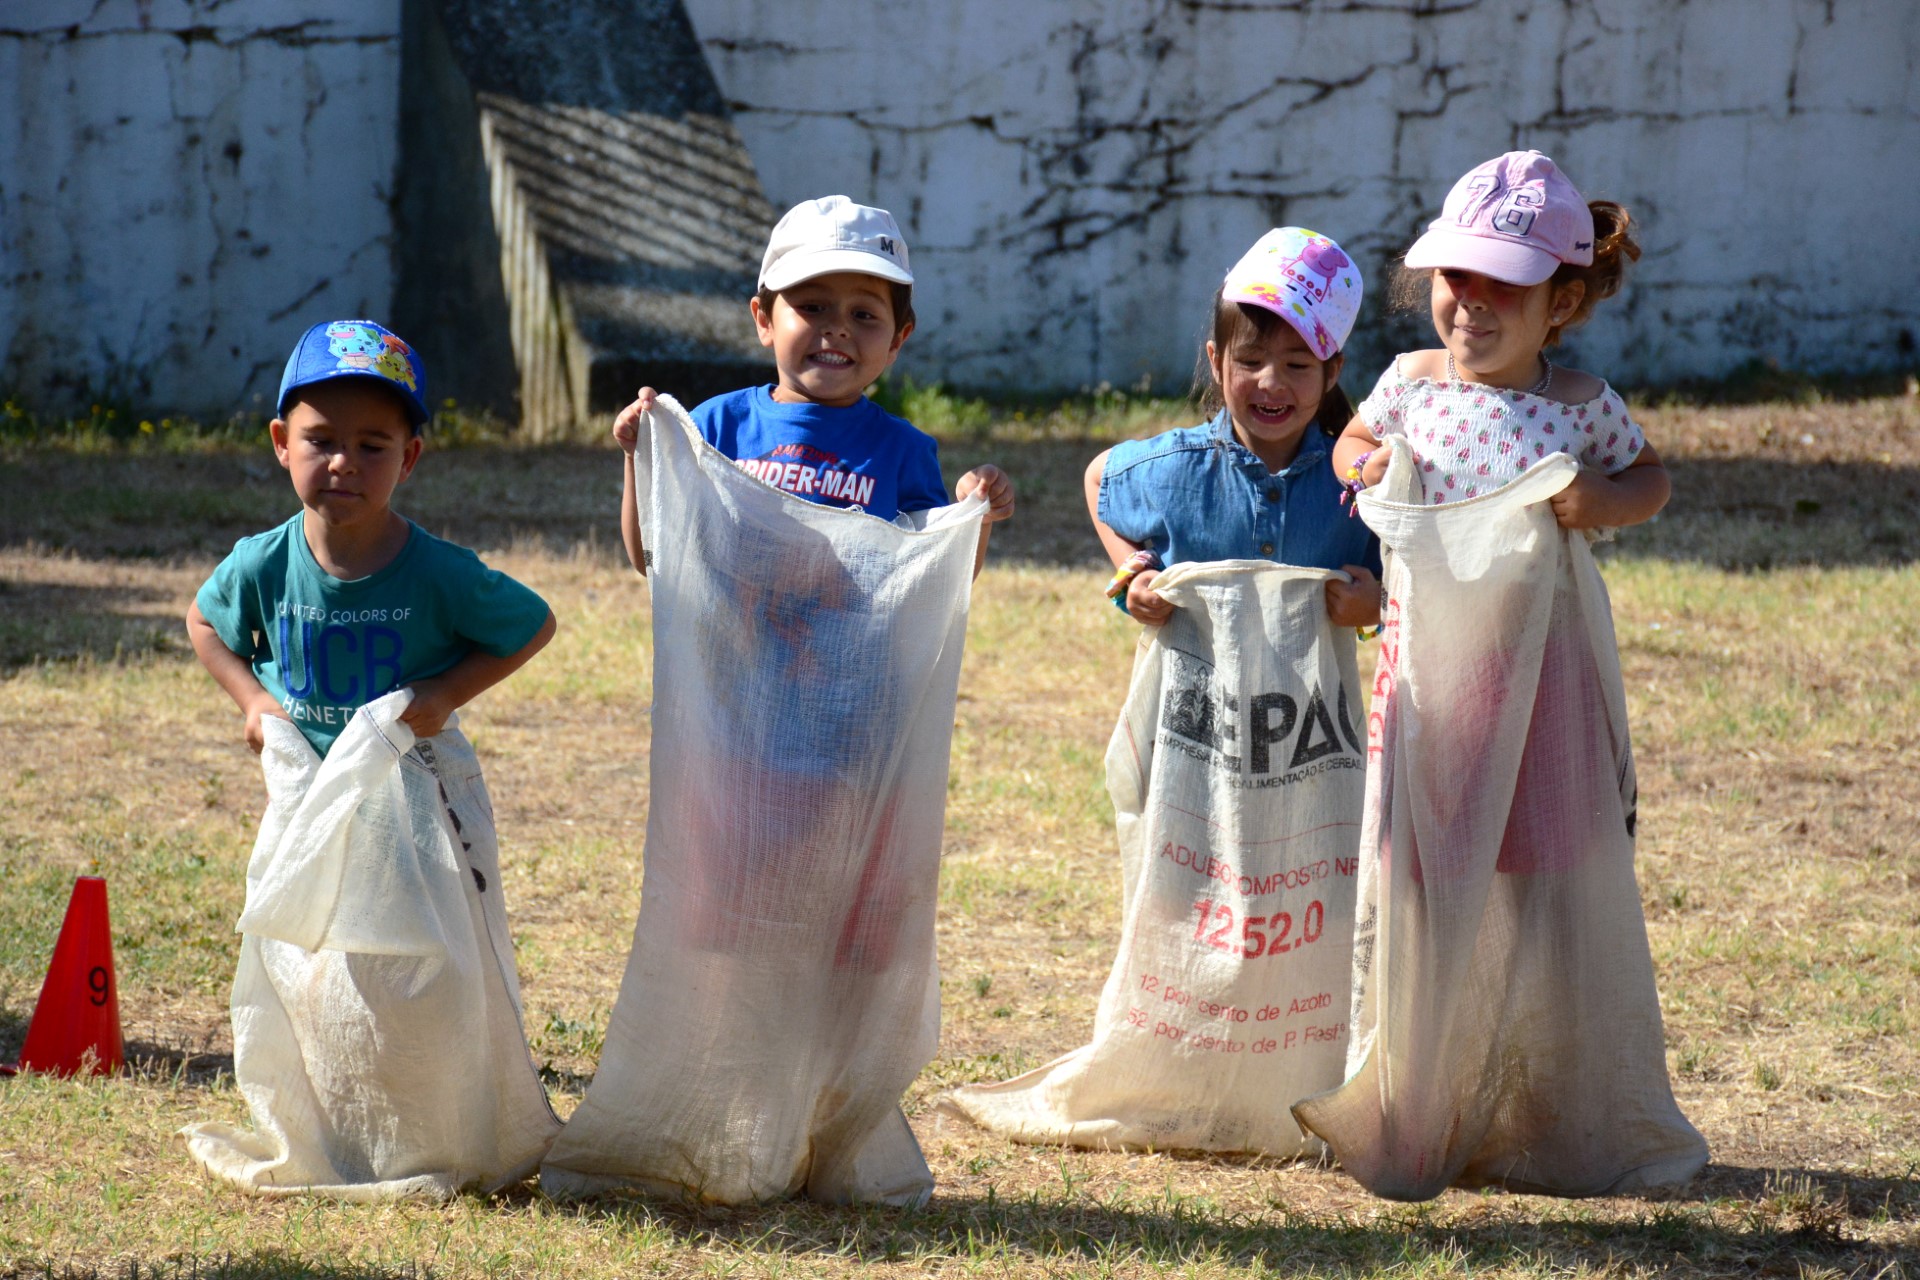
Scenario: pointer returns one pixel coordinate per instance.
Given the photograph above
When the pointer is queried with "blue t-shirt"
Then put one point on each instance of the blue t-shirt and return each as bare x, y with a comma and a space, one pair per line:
324, 647
856, 455
1197, 494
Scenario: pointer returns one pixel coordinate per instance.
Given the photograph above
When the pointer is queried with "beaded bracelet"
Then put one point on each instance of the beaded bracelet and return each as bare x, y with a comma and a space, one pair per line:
1136, 564
1351, 486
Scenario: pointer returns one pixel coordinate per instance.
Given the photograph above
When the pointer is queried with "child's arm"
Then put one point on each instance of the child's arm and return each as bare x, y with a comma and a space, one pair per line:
1596, 500
1358, 438
626, 431
437, 697
1144, 604
991, 483
234, 674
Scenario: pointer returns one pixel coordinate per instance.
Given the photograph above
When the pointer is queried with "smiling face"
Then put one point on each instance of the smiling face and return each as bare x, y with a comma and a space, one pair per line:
347, 445
1272, 385
1495, 331
832, 337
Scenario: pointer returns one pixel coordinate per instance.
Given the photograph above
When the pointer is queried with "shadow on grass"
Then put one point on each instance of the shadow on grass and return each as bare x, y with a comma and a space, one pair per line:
268, 1264
1763, 1235
1739, 512
62, 621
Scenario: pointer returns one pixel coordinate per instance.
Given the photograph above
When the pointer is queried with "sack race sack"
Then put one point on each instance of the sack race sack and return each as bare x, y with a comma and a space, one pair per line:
1507, 1030
1236, 775
782, 991
377, 1033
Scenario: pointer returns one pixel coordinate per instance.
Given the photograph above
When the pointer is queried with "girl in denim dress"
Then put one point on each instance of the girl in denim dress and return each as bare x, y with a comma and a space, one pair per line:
1257, 481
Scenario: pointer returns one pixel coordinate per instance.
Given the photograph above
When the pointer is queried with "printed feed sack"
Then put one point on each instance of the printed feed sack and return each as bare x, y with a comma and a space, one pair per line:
1236, 775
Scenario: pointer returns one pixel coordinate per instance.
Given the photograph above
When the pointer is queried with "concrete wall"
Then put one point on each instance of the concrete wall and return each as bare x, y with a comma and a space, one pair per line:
1074, 177
185, 185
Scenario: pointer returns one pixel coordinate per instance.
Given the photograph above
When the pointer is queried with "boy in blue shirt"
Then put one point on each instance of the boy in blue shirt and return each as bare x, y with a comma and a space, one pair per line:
835, 305
349, 600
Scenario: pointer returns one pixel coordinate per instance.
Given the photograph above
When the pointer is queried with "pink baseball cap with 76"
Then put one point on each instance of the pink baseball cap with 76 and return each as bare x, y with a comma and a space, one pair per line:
1515, 218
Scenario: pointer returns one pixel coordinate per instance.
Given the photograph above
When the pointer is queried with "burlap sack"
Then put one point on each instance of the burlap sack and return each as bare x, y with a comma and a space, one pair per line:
1236, 776
1507, 1030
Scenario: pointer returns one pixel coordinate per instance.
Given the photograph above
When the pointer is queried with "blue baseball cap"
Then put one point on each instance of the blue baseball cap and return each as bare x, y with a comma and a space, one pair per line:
356, 349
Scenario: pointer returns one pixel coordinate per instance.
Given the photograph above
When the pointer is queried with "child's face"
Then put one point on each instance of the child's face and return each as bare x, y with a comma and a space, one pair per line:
1272, 387
347, 445
832, 337
1495, 330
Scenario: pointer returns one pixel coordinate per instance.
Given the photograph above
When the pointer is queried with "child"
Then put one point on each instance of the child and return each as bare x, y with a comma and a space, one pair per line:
1506, 1027
835, 306
1256, 482
339, 607
1515, 258
1235, 768
349, 600
805, 663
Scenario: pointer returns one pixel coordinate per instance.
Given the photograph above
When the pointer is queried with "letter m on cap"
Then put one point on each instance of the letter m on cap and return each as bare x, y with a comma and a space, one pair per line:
886, 246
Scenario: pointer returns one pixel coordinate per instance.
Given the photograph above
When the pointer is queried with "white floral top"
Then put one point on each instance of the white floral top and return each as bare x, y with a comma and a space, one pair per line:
1470, 439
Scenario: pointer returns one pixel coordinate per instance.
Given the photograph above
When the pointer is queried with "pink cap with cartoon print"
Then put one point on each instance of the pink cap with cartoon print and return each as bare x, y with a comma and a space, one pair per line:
1306, 279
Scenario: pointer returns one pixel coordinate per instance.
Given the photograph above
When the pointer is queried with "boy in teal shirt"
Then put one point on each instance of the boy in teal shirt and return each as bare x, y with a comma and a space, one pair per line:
349, 600
343, 604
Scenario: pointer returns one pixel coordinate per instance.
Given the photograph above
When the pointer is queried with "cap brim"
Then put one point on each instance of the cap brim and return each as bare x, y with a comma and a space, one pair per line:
1505, 260
417, 415
794, 268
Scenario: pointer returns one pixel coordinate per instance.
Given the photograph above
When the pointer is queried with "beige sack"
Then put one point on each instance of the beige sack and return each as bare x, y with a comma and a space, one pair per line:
1236, 777
782, 990
377, 1033
1507, 1030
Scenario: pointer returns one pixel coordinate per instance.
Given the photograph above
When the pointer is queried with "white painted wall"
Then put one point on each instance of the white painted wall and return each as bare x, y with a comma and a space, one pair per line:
1074, 176
185, 185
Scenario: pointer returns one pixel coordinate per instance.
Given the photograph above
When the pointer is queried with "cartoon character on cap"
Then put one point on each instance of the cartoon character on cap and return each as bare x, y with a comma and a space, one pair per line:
1256, 482
356, 349
1306, 279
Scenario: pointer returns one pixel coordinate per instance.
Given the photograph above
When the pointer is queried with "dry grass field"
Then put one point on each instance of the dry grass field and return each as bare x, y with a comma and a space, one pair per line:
1769, 625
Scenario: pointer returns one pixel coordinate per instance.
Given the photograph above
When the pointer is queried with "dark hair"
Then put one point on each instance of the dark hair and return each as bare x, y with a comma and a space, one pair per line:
901, 296
1237, 324
1613, 248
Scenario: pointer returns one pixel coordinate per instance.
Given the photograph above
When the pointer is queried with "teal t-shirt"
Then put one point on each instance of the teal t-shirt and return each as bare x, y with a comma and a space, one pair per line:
325, 647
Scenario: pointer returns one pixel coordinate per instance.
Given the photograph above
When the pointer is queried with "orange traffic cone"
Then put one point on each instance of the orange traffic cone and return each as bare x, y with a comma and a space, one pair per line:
76, 1022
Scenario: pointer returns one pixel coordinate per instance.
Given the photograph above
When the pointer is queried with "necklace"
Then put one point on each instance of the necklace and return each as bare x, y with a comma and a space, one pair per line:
1537, 389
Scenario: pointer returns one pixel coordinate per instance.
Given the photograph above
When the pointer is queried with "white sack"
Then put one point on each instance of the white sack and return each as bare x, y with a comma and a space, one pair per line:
376, 1011
782, 992
1507, 1030
1236, 775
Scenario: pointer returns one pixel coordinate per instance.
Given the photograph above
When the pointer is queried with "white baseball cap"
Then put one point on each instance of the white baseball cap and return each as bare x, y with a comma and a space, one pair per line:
818, 237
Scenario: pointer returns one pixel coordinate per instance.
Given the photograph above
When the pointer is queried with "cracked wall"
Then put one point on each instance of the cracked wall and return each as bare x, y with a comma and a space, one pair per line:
185, 185
1075, 177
